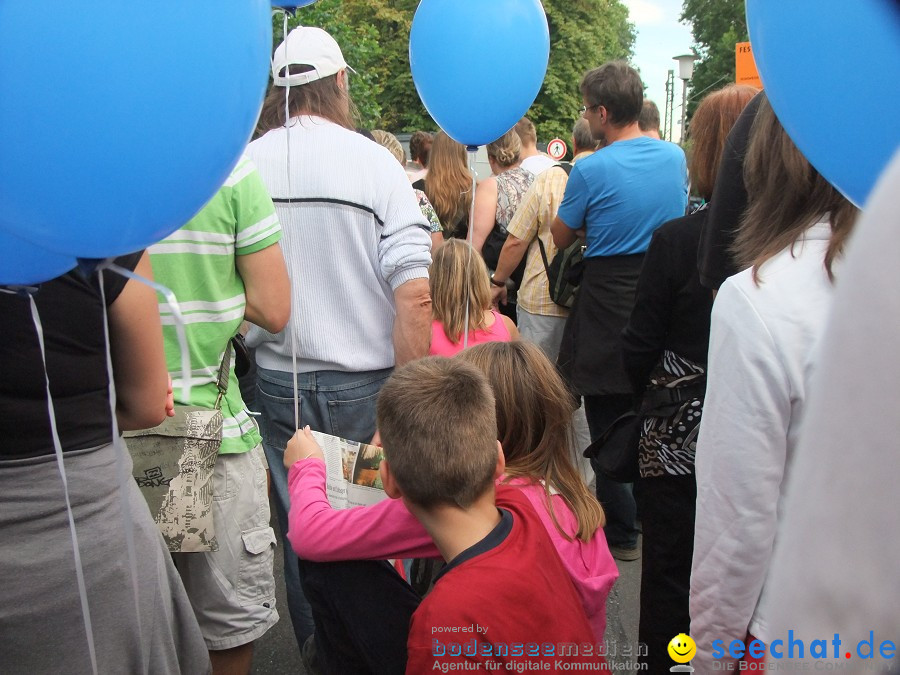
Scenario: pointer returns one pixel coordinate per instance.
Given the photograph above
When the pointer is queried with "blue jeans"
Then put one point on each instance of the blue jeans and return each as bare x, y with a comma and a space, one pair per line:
336, 403
617, 498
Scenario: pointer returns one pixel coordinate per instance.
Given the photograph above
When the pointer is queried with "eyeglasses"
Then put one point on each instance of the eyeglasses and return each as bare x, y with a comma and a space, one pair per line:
585, 108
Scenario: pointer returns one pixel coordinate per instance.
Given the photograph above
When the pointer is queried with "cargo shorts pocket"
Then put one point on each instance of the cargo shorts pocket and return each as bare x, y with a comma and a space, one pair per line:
256, 583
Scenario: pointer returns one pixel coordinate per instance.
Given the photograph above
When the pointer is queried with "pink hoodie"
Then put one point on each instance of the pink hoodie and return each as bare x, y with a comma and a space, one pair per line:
387, 530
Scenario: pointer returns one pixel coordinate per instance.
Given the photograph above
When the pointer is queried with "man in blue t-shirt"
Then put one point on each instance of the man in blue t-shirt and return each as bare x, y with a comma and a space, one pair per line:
614, 199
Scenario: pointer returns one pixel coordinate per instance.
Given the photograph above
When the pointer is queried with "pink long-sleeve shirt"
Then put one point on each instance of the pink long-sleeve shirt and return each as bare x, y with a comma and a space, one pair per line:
388, 530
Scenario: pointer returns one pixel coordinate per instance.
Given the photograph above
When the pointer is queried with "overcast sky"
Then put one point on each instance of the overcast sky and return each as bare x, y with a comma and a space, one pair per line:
660, 36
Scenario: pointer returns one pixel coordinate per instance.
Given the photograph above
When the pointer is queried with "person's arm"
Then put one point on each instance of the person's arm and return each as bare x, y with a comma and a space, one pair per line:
404, 254
437, 240
511, 327
267, 287
320, 533
412, 326
139, 361
259, 259
569, 222
563, 235
510, 256
740, 464
485, 212
644, 338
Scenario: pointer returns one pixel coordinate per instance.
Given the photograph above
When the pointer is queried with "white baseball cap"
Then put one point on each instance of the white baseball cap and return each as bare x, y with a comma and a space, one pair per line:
307, 46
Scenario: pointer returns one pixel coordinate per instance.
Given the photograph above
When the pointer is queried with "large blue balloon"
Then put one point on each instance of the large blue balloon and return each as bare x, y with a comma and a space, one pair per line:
119, 120
832, 73
472, 96
24, 264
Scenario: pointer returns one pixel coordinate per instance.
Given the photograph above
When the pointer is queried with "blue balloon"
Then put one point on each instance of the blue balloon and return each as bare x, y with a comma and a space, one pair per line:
119, 120
474, 98
832, 74
24, 264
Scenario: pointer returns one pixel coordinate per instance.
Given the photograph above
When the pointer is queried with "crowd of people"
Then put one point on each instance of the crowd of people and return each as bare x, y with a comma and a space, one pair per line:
389, 299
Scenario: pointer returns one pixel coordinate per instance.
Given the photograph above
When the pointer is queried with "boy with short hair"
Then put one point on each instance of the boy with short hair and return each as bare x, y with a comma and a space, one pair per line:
504, 587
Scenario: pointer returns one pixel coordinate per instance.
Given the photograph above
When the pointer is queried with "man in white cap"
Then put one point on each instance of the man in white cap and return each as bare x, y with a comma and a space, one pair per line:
357, 249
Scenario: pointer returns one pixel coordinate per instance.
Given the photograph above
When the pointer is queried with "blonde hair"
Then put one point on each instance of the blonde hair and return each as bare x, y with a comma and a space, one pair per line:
785, 195
526, 131
505, 150
458, 277
388, 140
534, 415
448, 184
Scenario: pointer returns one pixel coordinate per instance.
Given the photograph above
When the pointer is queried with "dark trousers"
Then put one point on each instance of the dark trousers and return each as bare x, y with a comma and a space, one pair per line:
361, 611
667, 519
617, 498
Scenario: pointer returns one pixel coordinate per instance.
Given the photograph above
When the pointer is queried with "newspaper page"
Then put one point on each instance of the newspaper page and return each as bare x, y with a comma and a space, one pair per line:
353, 478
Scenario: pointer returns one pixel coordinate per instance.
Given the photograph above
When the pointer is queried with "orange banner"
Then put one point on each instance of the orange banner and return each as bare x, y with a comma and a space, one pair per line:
745, 67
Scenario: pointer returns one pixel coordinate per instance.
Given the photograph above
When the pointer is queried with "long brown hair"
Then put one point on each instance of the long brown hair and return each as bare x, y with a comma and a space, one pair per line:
785, 195
324, 98
534, 415
459, 282
710, 125
448, 184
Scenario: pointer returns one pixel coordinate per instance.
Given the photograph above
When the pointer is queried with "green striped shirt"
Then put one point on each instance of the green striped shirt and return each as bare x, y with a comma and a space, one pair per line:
197, 262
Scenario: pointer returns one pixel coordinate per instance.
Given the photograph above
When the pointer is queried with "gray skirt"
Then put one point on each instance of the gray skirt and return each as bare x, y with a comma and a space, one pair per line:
41, 624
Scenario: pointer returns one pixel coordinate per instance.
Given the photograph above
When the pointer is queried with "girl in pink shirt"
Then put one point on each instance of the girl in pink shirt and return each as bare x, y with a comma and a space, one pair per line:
534, 412
460, 285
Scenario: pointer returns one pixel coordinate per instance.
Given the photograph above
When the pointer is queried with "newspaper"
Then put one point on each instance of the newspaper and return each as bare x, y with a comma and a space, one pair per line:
353, 478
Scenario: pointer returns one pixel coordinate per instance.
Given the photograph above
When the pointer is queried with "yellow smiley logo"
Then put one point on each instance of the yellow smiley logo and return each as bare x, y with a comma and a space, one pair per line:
682, 648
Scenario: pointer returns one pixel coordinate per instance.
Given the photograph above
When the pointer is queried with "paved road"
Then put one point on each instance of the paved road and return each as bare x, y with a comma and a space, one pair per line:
277, 654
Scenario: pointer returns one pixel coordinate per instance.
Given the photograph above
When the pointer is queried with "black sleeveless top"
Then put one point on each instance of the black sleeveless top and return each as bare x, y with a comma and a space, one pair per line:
71, 312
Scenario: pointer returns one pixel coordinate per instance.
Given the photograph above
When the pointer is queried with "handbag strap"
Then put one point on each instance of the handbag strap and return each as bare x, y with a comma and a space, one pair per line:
224, 373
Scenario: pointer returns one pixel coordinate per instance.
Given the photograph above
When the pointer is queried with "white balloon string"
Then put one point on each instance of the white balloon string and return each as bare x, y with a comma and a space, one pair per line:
57, 447
473, 152
124, 476
177, 319
289, 210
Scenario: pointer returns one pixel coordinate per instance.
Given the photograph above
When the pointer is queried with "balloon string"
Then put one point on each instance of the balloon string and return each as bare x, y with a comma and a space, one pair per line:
473, 152
57, 447
290, 217
177, 318
124, 477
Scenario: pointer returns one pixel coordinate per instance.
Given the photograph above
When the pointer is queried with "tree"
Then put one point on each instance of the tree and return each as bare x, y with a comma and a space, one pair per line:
584, 34
717, 25
374, 36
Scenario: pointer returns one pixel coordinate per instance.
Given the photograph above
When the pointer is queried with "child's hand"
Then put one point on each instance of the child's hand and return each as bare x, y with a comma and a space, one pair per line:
302, 446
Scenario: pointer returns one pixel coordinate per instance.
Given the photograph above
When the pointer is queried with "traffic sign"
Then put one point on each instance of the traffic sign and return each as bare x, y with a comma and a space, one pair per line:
557, 149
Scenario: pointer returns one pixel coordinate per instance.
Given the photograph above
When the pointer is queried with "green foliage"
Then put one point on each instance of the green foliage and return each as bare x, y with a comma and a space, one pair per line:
584, 34
374, 36
717, 25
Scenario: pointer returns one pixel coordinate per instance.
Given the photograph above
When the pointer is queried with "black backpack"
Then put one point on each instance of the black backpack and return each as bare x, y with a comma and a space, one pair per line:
567, 267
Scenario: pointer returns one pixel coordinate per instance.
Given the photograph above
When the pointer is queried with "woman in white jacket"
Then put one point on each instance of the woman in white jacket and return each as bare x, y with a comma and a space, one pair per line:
766, 323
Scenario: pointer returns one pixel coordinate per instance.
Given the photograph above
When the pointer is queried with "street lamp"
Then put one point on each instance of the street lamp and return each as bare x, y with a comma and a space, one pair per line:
685, 72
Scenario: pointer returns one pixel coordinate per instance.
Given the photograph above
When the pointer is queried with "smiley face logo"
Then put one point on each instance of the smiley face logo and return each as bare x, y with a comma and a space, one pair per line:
682, 648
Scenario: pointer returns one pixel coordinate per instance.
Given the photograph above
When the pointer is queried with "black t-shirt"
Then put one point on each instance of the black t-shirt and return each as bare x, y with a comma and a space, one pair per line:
729, 199
71, 313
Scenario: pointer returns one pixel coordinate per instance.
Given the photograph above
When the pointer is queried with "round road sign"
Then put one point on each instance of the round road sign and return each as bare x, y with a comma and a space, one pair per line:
557, 148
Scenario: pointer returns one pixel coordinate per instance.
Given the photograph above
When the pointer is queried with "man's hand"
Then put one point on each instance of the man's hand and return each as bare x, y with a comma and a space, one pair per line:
498, 295
302, 446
